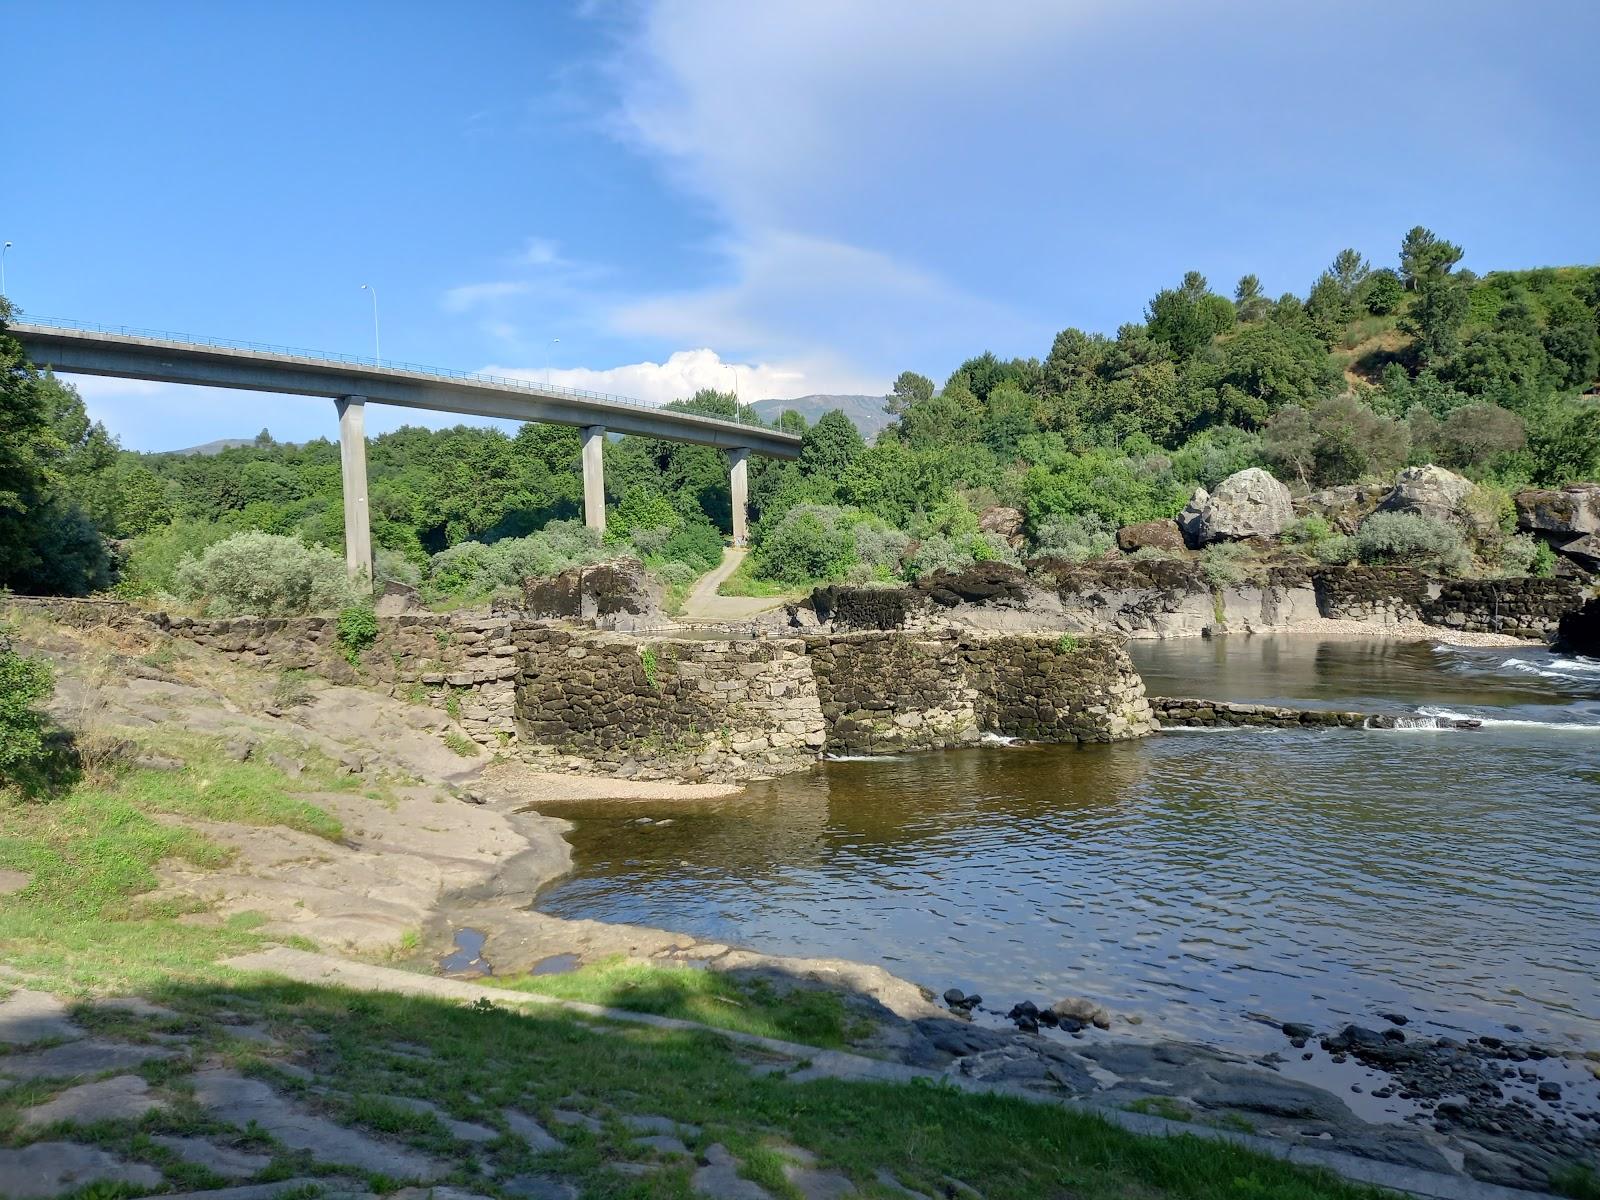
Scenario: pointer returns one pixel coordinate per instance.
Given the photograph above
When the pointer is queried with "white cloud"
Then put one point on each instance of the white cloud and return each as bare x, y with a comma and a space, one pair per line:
687, 371
474, 295
542, 252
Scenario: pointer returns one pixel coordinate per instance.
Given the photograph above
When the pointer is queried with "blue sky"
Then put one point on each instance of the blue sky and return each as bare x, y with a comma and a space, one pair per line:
811, 196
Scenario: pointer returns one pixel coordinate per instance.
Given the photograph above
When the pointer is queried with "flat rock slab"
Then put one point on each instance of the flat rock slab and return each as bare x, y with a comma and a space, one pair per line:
28, 1016
137, 1007
537, 1137
462, 1131
719, 1179
577, 1120
819, 1185
653, 1124
238, 1101
222, 1160
124, 1098
47, 1169
13, 881
254, 1191
540, 1187
92, 1056
662, 1143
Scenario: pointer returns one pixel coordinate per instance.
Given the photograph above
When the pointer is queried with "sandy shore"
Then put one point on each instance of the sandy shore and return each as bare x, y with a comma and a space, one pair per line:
1329, 630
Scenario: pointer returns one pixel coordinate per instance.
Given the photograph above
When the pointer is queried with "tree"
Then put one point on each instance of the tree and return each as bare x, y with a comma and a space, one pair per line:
1350, 271
909, 388
1382, 293
1248, 301
1187, 317
1424, 256
1338, 440
829, 447
1329, 307
1436, 318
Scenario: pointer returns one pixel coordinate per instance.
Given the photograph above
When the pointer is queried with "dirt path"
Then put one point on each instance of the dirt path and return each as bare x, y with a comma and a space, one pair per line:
703, 603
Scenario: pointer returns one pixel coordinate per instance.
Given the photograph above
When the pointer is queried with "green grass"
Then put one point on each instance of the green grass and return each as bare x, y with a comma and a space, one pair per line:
81, 923
747, 1005
743, 582
461, 744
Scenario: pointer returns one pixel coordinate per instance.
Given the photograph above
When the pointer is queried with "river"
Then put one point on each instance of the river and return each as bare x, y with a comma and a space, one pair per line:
1200, 881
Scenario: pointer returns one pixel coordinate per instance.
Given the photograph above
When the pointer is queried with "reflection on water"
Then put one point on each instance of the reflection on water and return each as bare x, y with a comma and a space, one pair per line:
1193, 878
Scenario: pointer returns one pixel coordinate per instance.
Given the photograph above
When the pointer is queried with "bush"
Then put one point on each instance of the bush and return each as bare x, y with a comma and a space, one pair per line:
1307, 531
477, 570
358, 629
1409, 538
394, 567
152, 559
25, 749
811, 542
1225, 563
1337, 551
697, 542
1213, 454
263, 575
675, 574
1074, 538
880, 547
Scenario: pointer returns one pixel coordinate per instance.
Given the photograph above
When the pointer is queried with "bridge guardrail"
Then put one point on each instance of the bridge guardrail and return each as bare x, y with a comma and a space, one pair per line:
299, 354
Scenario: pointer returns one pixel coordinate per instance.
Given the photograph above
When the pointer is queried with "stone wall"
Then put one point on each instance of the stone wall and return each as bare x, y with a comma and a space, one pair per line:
1529, 608
642, 705
1378, 595
881, 692
655, 706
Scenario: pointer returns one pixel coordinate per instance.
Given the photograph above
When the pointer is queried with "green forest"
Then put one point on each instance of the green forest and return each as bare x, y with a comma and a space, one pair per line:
1370, 370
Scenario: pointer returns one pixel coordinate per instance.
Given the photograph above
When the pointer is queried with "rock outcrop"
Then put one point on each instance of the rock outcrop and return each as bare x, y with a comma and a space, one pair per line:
1429, 491
1153, 535
1004, 523
1559, 514
613, 595
1343, 508
1247, 504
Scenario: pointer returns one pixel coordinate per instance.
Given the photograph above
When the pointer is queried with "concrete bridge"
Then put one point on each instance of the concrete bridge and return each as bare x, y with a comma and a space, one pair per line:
352, 383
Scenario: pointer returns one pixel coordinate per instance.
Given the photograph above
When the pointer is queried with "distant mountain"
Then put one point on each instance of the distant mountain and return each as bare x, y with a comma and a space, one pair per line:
866, 411
216, 447
221, 444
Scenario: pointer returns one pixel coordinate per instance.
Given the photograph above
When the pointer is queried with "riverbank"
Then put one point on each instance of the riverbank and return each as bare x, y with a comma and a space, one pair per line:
277, 817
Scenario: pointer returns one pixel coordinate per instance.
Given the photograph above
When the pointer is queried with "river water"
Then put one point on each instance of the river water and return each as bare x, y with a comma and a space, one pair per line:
1198, 880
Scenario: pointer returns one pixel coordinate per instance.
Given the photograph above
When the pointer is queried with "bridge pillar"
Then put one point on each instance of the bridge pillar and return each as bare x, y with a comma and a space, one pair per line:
594, 477
353, 463
739, 486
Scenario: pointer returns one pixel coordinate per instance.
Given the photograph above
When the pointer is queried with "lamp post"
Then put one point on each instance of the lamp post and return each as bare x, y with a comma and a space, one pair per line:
548, 345
3, 250
377, 340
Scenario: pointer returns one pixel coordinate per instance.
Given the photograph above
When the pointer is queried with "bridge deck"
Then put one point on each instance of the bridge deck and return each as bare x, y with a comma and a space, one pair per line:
167, 358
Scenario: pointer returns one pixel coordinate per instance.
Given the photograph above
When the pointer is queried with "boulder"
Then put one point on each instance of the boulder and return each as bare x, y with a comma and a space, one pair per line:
1585, 551
1189, 518
1002, 522
398, 599
1343, 508
1247, 504
1429, 491
615, 594
1579, 632
1560, 513
1158, 535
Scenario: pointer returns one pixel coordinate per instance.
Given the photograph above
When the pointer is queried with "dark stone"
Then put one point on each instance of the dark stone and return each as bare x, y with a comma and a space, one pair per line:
1296, 1029
1549, 1091
1395, 1018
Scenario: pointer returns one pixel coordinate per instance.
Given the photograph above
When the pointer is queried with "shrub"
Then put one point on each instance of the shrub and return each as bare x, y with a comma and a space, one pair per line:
152, 558
676, 574
1409, 538
475, 570
941, 553
810, 542
880, 547
25, 750
1336, 551
1224, 563
1213, 454
358, 629
394, 567
263, 575
1307, 531
696, 542
1075, 538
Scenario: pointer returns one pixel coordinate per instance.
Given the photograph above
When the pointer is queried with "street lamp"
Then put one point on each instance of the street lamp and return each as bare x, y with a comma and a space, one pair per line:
3, 250
377, 341
550, 343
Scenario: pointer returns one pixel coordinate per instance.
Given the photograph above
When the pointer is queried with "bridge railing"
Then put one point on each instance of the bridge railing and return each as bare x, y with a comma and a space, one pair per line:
312, 357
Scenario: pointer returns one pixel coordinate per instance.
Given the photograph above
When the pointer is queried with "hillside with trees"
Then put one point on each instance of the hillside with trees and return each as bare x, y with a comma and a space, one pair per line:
1374, 368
